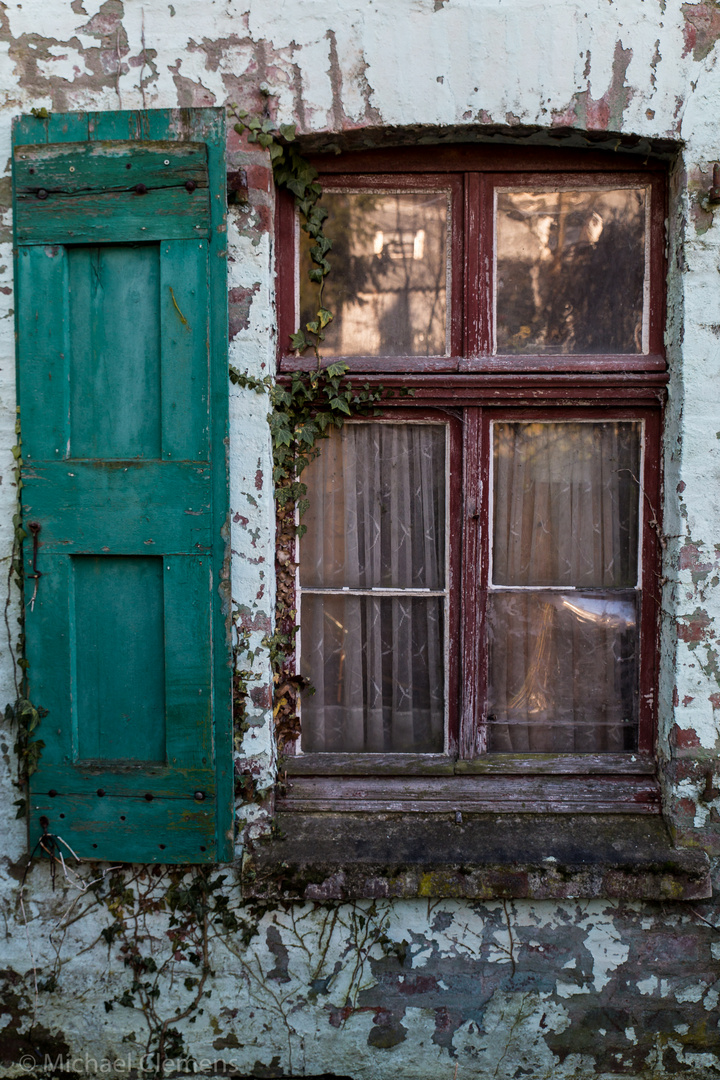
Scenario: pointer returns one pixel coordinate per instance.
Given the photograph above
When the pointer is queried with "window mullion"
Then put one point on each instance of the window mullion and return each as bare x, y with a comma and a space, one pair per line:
473, 676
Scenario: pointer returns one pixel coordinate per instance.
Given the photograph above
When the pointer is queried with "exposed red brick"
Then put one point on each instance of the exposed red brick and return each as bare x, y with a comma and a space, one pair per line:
694, 627
683, 738
702, 28
239, 304
259, 177
689, 559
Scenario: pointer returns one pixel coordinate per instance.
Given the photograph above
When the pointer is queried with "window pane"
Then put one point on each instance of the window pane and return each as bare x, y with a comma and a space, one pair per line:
566, 504
376, 521
562, 672
388, 288
570, 271
377, 509
376, 664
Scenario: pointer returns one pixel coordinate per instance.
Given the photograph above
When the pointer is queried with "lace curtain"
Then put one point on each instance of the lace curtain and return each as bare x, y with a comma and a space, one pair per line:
372, 576
562, 606
562, 600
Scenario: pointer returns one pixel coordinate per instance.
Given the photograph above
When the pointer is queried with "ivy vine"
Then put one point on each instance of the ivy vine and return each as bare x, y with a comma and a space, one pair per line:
22, 715
303, 409
295, 174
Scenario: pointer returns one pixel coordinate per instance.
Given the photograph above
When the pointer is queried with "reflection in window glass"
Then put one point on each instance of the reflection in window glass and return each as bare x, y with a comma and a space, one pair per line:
570, 271
388, 289
562, 611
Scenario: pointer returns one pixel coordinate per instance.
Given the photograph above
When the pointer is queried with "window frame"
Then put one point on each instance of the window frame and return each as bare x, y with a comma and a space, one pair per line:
473, 175
477, 388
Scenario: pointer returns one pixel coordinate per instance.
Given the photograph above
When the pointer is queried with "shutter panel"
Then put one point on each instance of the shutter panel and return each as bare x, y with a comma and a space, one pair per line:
122, 370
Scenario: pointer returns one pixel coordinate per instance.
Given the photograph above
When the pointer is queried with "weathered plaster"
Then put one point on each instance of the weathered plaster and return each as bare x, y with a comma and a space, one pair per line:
411, 989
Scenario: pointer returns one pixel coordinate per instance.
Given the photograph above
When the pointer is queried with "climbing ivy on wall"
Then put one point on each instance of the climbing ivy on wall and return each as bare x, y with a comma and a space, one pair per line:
22, 715
292, 172
303, 410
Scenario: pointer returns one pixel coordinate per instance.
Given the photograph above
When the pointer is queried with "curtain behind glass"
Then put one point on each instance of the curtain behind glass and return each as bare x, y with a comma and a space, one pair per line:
376, 526
562, 633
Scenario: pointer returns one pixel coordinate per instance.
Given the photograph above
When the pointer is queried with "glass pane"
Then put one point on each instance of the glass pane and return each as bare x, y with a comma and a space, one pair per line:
566, 504
376, 664
377, 509
389, 281
570, 271
562, 672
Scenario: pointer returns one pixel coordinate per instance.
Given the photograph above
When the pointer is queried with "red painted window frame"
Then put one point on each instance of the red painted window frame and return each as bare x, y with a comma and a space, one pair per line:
476, 387
472, 174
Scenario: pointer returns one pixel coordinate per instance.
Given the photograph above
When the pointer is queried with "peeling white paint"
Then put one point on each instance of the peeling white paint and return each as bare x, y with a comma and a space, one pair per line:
412, 64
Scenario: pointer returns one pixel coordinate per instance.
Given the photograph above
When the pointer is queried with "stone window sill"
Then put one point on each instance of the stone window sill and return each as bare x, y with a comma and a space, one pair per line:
347, 856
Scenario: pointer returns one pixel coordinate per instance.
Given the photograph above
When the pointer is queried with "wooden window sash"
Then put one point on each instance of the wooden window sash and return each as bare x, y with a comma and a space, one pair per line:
472, 255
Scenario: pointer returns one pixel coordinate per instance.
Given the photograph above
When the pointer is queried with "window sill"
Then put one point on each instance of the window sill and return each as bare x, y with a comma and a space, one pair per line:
333, 856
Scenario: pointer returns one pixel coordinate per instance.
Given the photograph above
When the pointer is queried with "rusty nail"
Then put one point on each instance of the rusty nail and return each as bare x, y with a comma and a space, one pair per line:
714, 196
237, 183
42, 193
100, 792
140, 189
190, 185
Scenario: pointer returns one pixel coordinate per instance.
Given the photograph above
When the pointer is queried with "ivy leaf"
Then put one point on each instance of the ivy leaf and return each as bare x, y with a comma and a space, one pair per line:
307, 173
287, 131
342, 405
298, 187
313, 327
334, 371
298, 341
307, 434
276, 152
265, 139
254, 123
32, 756
315, 274
325, 317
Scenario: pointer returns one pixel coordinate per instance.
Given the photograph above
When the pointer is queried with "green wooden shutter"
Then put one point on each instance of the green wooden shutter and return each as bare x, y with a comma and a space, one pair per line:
122, 365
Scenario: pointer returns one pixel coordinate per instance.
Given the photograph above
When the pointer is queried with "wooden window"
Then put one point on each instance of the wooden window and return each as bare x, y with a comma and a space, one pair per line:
485, 260
478, 586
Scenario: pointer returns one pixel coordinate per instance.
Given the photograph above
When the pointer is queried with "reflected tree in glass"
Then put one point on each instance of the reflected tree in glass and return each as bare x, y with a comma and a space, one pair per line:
388, 287
570, 271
